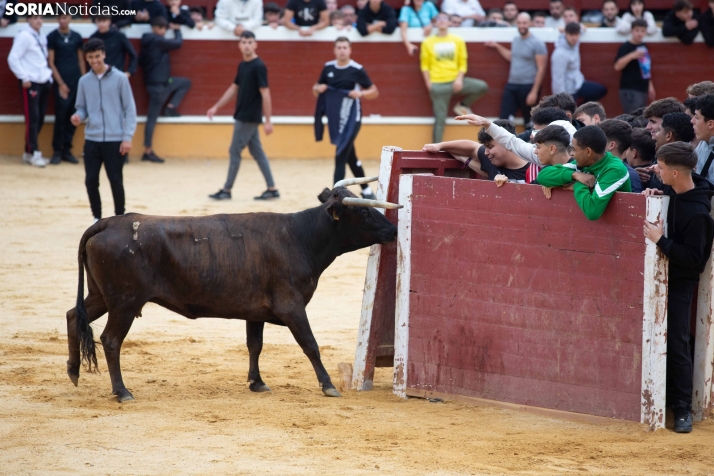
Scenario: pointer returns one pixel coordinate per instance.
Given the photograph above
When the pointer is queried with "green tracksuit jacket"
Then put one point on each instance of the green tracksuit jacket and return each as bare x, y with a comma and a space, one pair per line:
611, 176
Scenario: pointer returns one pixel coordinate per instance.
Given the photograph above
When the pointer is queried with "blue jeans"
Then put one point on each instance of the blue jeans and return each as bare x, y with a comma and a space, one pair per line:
590, 91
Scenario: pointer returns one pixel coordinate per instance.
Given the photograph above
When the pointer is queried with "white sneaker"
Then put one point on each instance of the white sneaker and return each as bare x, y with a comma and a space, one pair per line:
462, 110
37, 159
95, 221
26, 158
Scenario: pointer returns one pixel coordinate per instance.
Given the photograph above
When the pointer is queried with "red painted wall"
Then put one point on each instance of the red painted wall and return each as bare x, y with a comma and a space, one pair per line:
521, 299
293, 66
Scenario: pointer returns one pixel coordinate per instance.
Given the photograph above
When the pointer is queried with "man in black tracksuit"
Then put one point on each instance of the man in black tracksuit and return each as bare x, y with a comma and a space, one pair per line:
117, 46
688, 244
162, 87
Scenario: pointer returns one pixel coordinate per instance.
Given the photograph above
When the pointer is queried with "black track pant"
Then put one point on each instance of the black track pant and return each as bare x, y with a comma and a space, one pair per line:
349, 156
96, 153
63, 132
514, 100
160, 94
679, 355
34, 103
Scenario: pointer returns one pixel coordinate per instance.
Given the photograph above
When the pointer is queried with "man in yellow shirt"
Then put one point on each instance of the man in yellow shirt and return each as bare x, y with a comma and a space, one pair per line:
443, 65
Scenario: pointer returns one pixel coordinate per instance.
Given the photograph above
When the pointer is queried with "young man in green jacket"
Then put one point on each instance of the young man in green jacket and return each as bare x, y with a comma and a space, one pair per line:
597, 174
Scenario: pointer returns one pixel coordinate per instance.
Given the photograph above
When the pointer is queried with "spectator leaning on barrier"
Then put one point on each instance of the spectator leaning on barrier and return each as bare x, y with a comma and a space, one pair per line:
254, 101
337, 20
331, 5
28, 62
703, 122
272, 15
470, 11
105, 100
681, 21
590, 113
596, 173
656, 111
635, 64
147, 10
706, 25
489, 159
306, 16
544, 115
350, 15
376, 17
555, 19
494, 19
444, 62
637, 11
198, 15
619, 139
66, 60
342, 106
239, 15
528, 57
118, 20
179, 14
163, 88
609, 14
565, 68
117, 46
6, 18
454, 21
688, 245
640, 156
419, 15
510, 12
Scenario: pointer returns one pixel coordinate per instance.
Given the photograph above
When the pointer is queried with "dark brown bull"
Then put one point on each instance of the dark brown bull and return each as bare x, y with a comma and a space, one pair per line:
259, 267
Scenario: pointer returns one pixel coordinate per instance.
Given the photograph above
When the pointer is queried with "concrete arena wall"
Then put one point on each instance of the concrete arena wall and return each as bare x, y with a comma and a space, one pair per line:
515, 298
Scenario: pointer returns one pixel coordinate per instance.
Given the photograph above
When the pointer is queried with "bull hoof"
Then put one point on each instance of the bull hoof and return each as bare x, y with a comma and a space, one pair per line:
124, 396
74, 378
259, 387
331, 392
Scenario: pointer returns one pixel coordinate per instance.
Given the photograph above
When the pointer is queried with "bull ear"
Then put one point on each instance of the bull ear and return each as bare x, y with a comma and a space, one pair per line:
324, 195
335, 211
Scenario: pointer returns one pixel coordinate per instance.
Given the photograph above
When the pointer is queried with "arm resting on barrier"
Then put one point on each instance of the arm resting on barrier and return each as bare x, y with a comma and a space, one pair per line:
557, 175
593, 202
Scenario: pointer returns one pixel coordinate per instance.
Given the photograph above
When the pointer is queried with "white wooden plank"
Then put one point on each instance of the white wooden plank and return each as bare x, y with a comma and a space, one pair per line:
401, 324
371, 280
654, 325
704, 346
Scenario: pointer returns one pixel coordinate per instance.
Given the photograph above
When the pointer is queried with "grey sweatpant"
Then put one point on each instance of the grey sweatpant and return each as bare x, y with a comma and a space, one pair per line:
441, 94
246, 133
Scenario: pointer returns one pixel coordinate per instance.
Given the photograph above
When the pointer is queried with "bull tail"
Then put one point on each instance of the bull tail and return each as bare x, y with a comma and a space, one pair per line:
85, 336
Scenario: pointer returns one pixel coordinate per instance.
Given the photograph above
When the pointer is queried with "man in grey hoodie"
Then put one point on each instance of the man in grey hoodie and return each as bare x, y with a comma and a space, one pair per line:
565, 68
105, 100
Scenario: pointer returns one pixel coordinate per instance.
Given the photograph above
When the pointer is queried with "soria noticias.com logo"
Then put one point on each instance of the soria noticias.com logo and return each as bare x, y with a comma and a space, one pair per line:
55, 9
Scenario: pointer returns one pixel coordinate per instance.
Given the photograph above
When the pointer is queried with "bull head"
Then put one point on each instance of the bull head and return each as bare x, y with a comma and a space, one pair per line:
354, 201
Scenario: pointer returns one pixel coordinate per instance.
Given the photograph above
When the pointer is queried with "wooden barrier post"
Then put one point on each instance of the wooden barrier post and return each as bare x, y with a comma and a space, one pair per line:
654, 325
401, 324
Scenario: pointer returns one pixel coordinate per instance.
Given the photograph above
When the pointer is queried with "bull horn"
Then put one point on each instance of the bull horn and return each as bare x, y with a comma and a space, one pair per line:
355, 181
363, 202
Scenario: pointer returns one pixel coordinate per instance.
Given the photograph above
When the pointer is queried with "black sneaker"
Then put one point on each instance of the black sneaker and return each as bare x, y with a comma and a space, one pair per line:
151, 157
56, 158
171, 112
126, 158
68, 157
268, 195
369, 196
683, 423
221, 195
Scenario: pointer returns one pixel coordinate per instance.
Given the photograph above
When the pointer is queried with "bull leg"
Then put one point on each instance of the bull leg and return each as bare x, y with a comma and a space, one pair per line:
96, 308
254, 340
300, 328
118, 325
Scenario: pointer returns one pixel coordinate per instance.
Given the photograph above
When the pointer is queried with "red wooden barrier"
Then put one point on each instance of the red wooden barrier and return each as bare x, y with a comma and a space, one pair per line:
504, 295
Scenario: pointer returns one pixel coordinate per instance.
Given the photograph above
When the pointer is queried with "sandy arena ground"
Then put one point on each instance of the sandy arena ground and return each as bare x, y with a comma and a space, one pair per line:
193, 412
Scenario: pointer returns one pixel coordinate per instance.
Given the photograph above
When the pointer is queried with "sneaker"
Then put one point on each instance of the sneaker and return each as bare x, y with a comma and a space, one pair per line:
37, 160
26, 158
126, 158
56, 158
462, 110
221, 195
171, 112
68, 157
95, 221
369, 196
268, 195
151, 157
683, 423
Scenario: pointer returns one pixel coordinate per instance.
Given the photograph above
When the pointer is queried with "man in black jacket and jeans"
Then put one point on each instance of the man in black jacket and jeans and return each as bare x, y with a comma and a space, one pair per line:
162, 87
688, 244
